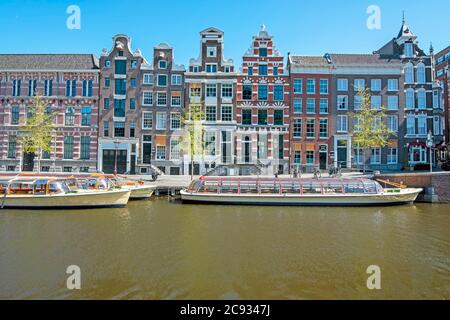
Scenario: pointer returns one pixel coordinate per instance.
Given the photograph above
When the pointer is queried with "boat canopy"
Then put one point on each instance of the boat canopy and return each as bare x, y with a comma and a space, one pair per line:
284, 186
35, 186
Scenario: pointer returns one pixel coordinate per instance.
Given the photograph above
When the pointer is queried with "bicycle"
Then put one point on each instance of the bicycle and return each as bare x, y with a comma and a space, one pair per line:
317, 173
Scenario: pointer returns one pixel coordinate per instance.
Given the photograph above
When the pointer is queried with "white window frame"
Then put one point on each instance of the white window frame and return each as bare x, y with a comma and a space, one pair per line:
161, 125
147, 118
144, 98
148, 79
176, 80
342, 85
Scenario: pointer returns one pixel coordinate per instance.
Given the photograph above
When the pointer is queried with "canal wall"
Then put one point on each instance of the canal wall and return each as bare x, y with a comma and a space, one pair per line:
436, 185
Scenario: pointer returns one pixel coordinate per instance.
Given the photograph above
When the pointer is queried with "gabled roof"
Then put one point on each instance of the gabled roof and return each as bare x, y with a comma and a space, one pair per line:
211, 30
48, 62
405, 31
363, 59
308, 61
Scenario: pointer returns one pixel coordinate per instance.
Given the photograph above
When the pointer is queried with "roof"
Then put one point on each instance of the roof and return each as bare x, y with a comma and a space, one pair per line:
405, 31
48, 62
308, 61
363, 59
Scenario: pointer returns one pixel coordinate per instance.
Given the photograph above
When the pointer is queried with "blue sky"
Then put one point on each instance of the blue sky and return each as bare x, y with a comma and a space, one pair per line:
299, 26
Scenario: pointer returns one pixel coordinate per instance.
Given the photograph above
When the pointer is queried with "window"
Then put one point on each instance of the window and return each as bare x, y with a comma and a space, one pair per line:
211, 90
31, 88
250, 70
107, 63
409, 52
422, 125
120, 53
421, 99
392, 85
410, 125
212, 52
262, 92
162, 80
106, 128
12, 147
161, 152
421, 78
162, 64
227, 91
132, 104
133, 83
392, 123
323, 86
120, 67
175, 99
227, 113
310, 128
262, 117
210, 143
375, 85
436, 126
298, 105
247, 93
87, 88
310, 86
392, 102
85, 148
342, 102
297, 128
15, 114
262, 70
147, 120
247, 117
132, 129
119, 129
119, 108
120, 86
342, 84
297, 157
194, 68
359, 155
174, 149
107, 82
278, 117
409, 73
298, 86
161, 99
376, 124
147, 98
86, 115
342, 123
211, 68
323, 128
376, 102
275, 71
161, 120
71, 88
148, 78
375, 156
323, 106
195, 92
310, 105
68, 147
410, 99
48, 88
175, 121
437, 99
359, 84
278, 93
69, 119
263, 52
392, 157
133, 64
176, 80
211, 113
147, 149
357, 102
310, 157
16, 88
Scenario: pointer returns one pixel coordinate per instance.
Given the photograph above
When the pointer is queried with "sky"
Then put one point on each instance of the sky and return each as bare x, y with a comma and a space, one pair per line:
300, 26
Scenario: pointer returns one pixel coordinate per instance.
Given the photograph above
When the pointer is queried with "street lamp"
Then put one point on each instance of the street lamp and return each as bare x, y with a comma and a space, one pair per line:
430, 146
116, 145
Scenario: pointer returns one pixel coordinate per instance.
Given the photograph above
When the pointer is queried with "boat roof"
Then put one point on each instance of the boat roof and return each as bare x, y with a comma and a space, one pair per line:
269, 179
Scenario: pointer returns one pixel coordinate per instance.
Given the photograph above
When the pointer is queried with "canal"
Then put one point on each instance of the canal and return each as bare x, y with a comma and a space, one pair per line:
162, 250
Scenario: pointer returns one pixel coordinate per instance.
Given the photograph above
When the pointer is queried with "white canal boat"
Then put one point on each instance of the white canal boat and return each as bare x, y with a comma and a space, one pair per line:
296, 192
45, 193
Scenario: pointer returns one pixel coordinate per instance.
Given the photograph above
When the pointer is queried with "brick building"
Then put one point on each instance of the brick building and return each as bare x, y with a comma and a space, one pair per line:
442, 62
262, 107
211, 84
69, 86
310, 114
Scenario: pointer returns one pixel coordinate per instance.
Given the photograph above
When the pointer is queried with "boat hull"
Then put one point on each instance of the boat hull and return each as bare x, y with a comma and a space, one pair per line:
67, 201
406, 196
141, 192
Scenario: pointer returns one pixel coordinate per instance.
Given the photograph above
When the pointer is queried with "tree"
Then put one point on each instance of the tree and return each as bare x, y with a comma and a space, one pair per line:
370, 129
36, 135
192, 138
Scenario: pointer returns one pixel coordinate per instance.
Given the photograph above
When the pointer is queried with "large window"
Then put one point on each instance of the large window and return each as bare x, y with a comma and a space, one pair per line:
211, 90
86, 115
162, 80
409, 50
376, 102
262, 92
278, 117
392, 85
71, 88
69, 119
392, 123
421, 77
174, 149
227, 91
175, 121
15, 115
106, 128
247, 93
147, 98
161, 152
410, 125
161, 121
298, 105
342, 84
48, 88
323, 86
375, 157
422, 99
211, 113
375, 85
310, 86
211, 68
175, 99
12, 147
119, 108
342, 123
310, 105
32, 88
247, 117
120, 67
422, 124
342, 102
410, 99
68, 147
262, 117
262, 70
161, 99
359, 84
409, 73
227, 113
310, 128
392, 157
177, 80
87, 88
298, 86
323, 106
120, 86
392, 102
85, 148
16, 88
148, 78
147, 120
323, 128
119, 129
278, 93
297, 128
210, 143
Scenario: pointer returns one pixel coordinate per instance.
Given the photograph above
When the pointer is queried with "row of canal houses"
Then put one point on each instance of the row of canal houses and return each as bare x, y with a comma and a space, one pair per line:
125, 111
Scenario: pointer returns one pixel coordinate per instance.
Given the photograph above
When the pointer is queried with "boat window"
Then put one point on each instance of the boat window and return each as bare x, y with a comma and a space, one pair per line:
290, 187
269, 187
249, 187
58, 187
354, 187
102, 184
370, 187
333, 187
229, 187
207, 186
21, 188
312, 188
3, 187
40, 188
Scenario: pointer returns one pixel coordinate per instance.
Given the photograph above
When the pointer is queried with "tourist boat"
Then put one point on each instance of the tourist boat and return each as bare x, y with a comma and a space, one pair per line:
49, 193
295, 192
139, 191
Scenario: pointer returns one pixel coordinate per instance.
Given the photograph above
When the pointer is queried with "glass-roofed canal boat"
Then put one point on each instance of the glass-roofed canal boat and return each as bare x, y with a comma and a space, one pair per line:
296, 192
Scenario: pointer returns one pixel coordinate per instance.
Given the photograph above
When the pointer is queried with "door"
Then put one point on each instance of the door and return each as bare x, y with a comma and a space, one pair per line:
323, 160
342, 153
109, 161
133, 164
28, 162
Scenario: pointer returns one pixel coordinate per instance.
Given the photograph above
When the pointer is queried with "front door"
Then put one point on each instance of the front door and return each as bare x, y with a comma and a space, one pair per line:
109, 161
323, 160
342, 153
28, 162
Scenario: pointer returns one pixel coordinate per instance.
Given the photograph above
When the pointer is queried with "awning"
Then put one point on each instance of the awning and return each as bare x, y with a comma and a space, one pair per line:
160, 140
310, 147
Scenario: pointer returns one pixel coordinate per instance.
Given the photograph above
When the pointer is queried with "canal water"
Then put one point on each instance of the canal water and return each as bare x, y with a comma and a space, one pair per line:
162, 250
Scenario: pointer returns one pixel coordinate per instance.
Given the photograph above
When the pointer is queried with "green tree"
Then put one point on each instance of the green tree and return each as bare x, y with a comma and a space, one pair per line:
370, 130
193, 137
36, 135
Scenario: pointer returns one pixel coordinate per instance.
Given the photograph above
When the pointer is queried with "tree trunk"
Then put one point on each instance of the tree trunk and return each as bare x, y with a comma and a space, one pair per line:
364, 161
